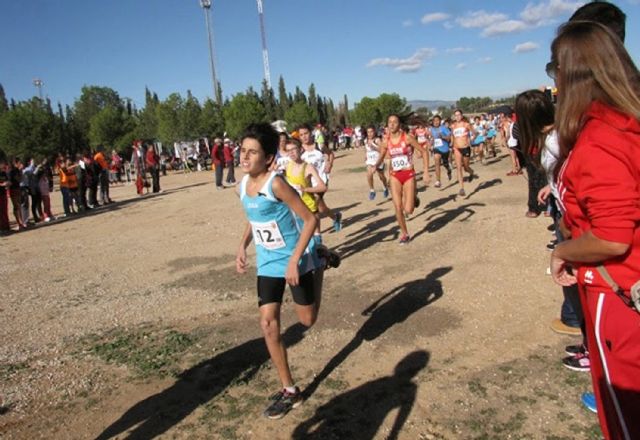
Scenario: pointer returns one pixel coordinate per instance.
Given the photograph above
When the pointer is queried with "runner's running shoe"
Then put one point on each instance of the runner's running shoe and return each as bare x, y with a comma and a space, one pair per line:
372, 195
573, 350
462, 193
589, 402
337, 222
386, 193
282, 403
578, 362
437, 184
404, 239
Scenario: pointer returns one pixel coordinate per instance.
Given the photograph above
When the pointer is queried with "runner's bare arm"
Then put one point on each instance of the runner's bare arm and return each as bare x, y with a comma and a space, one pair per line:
330, 158
313, 176
414, 143
383, 152
241, 255
283, 191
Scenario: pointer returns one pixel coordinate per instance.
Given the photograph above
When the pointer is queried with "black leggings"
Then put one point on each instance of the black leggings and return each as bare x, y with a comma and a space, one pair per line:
537, 181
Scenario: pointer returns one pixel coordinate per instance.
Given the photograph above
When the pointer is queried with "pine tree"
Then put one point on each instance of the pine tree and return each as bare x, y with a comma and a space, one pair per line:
4, 105
283, 99
269, 101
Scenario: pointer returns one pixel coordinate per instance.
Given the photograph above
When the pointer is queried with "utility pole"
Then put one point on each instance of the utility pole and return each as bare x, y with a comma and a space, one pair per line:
206, 6
38, 83
265, 53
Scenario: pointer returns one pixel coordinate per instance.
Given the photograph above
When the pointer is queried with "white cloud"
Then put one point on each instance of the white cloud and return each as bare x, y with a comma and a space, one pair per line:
459, 50
433, 17
405, 65
407, 23
504, 27
529, 46
480, 19
485, 60
449, 25
546, 12
461, 66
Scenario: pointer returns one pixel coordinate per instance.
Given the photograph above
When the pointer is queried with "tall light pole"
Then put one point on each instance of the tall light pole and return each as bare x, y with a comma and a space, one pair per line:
38, 83
206, 6
265, 53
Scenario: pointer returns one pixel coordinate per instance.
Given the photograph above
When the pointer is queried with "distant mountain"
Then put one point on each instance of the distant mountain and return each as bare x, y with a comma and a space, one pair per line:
431, 105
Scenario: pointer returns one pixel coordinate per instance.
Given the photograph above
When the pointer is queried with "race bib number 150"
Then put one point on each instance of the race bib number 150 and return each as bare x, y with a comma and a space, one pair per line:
400, 162
267, 235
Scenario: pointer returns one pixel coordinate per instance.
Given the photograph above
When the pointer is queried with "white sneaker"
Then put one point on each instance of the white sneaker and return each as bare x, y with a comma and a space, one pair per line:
437, 184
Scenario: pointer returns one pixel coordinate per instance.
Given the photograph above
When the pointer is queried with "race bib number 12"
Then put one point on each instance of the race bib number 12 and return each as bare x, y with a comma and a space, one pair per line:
267, 235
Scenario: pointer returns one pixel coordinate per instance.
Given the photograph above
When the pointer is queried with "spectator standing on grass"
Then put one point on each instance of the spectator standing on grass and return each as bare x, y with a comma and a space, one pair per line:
82, 179
102, 167
15, 192
116, 167
4, 198
152, 163
137, 163
44, 182
217, 158
228, 153
25, 193
93, 178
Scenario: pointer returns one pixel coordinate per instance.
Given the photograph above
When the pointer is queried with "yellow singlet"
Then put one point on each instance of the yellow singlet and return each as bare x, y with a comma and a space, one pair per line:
300, 181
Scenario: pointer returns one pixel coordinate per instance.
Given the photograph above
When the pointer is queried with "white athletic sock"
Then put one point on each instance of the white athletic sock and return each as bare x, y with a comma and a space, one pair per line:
291, 389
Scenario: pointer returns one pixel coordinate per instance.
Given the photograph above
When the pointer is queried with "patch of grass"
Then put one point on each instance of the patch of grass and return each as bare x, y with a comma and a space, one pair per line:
336, 384
477, 388
563, 416
511, 426
147, 353
356, 170
513, 399
8, 370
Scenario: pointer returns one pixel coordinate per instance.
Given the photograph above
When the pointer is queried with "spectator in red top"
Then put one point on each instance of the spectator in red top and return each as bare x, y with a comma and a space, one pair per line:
152, 164
228, 161
217, 157
599, 185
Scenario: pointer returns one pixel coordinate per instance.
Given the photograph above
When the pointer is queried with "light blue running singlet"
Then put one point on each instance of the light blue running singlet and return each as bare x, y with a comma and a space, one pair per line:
275, 231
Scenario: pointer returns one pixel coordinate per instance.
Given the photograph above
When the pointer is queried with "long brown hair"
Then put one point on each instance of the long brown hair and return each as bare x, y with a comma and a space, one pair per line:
535, 111
592, 65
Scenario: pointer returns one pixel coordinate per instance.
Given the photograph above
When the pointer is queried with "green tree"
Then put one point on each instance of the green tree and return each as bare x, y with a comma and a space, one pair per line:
107, 126
147, 127
392, 103
30, 128
269, 101
366, 112
4, 104
211, 119
299, 113
243, 109
283, 99
168, 113
189, 116
92, 100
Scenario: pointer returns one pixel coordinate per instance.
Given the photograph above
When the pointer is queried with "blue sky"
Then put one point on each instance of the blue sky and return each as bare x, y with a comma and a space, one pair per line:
421, 49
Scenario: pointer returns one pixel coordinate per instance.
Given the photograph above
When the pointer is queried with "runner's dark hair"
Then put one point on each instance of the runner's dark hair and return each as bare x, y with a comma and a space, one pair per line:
534, 111
265, 134
305, 126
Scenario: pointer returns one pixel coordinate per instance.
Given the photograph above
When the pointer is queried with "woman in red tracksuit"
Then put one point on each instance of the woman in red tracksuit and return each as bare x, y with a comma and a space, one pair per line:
599, 185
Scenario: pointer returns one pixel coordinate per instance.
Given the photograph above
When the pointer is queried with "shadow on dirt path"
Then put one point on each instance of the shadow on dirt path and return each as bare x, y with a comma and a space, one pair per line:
196, 386
391, 309
360, 412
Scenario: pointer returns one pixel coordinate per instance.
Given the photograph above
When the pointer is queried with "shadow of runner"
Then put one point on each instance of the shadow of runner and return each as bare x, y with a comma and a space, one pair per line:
358, 413
441, 219
484, 185
401, 303
196, 386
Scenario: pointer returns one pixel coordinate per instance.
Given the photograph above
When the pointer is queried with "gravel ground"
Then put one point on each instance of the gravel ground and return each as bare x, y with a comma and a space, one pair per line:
132, 321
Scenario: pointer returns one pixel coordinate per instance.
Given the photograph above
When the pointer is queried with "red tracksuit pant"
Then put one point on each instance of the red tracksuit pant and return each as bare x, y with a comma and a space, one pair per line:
613, 337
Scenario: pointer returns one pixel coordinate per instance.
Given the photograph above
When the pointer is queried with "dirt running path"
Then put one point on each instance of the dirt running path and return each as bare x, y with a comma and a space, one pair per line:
132, 322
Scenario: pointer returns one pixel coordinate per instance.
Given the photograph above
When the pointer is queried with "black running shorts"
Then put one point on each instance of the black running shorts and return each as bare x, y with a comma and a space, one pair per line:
466, 151
271, 290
